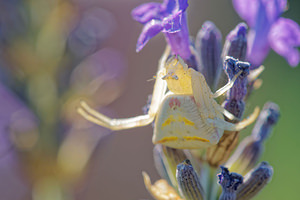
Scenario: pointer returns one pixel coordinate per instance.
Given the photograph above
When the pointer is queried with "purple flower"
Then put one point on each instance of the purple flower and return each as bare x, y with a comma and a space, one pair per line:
230, 183
284, 38
94, 27
14, 116
168, 17
269, 30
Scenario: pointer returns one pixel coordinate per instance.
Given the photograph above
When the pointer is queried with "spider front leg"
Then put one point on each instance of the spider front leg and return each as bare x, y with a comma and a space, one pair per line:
113, 124
226, 87
202, 92
232, 65
254, 74
159, 91
222, 124
227, 114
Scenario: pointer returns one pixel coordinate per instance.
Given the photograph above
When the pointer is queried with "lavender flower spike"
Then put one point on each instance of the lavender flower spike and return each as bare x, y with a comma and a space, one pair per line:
168, 17
268, 30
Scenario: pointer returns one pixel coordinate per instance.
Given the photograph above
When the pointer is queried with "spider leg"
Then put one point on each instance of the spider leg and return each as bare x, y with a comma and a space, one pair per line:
255, 73
222, 124
226, 87
229, 115
113, 124
226, 113
159, 91
160, 86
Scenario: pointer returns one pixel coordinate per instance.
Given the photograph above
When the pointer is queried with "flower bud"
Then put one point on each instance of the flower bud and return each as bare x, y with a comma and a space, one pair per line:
236, 43
267, 119
256, 181
208, 44
189, 184
246, 156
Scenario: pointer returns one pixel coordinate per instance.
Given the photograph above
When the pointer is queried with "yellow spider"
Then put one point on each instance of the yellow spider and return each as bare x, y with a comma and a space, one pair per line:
187, 116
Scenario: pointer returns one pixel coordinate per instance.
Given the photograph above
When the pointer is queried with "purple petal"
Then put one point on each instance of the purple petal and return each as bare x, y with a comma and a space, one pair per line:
168, 6
179, 40
246, 9
173, 6
274, 8
284, 38
173, 23
250, 9
151, 29
258, 48
167, 17
182, 5
146, 12
258, 45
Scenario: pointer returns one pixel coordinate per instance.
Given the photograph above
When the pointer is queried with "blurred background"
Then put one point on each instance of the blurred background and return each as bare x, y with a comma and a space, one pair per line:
54, 53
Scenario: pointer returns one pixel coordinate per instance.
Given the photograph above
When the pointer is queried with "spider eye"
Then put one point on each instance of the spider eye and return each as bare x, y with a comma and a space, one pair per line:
175, 77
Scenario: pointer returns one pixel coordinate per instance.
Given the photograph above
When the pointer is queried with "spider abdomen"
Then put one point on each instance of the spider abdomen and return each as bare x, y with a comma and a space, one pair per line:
179, 124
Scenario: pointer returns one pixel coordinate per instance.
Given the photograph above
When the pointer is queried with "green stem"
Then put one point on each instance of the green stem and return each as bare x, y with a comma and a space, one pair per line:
213, 185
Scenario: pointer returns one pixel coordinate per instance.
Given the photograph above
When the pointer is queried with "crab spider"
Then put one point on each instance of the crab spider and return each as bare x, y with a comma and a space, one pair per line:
187, 116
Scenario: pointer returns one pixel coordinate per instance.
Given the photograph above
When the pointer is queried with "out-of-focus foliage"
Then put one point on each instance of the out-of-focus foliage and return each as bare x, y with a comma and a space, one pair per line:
51, 57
